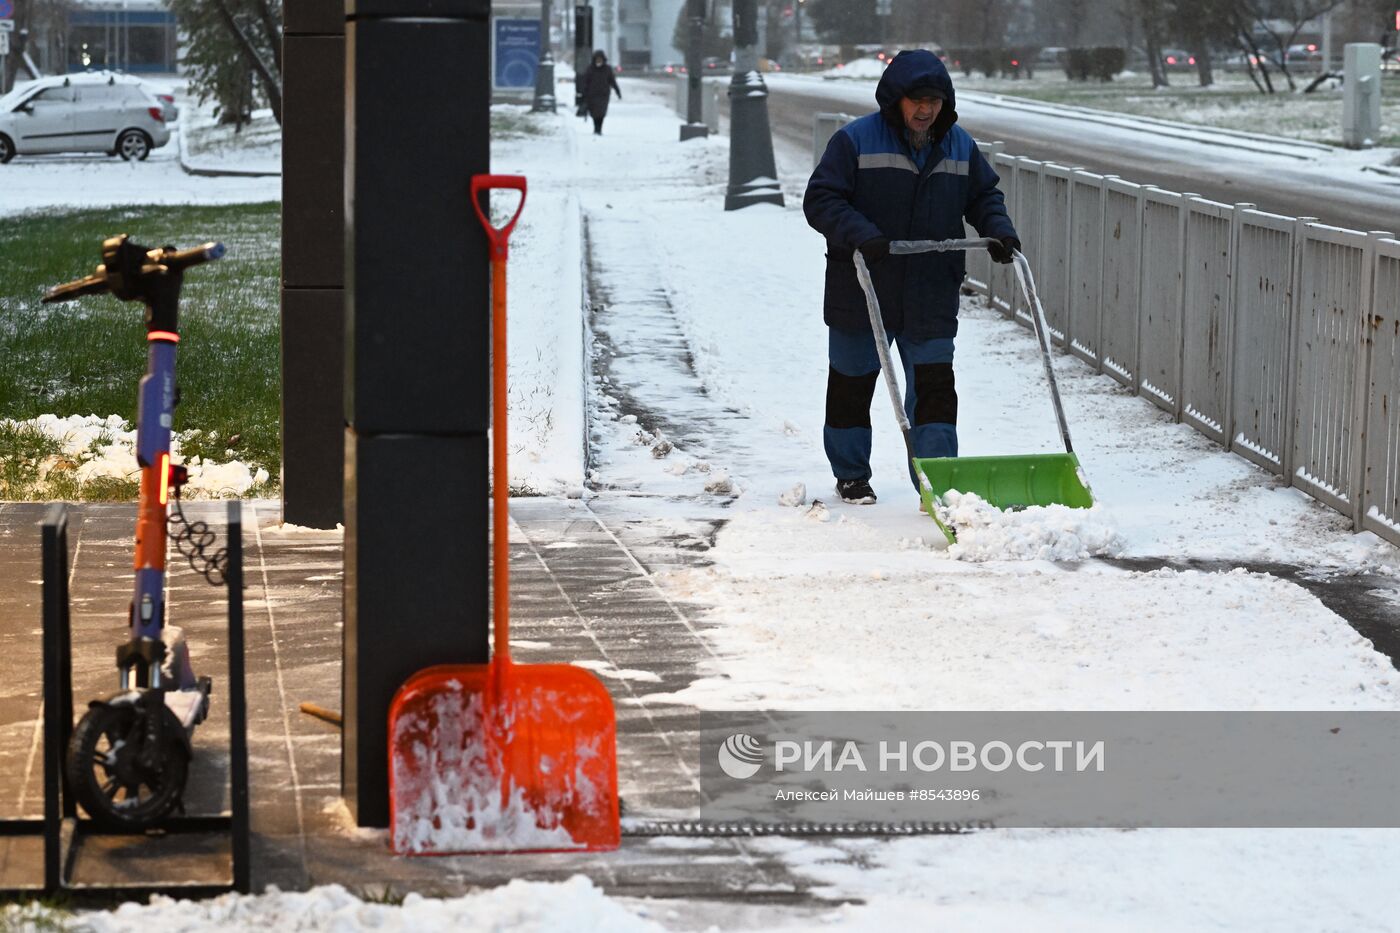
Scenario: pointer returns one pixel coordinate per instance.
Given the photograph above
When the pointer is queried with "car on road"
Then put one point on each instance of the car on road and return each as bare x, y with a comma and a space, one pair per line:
1178, 58
1305, 54
94, 112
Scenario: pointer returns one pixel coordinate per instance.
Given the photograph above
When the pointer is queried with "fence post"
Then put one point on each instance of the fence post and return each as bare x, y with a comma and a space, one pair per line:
1103, 271
1231, 309
994, 149
1184, 220
1361, 407
1290, 382
1068, 233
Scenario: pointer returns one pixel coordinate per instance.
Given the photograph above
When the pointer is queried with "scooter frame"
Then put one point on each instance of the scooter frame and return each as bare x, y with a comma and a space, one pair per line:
153, 652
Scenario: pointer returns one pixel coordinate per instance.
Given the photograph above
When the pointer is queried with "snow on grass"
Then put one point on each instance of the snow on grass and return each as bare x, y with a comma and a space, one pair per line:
92, 448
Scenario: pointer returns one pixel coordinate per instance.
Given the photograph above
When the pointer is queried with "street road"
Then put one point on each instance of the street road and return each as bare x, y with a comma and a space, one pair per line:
1346, 198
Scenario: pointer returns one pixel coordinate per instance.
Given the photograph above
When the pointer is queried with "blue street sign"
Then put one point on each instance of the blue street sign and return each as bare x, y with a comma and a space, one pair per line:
517, 52
7, 9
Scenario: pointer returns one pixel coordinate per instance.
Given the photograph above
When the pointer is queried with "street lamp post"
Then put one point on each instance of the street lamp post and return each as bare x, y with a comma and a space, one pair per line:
694, 126
544, 77
753, 174
797, 32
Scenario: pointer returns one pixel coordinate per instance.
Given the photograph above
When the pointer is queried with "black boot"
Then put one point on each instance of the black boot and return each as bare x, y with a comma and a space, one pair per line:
855, 491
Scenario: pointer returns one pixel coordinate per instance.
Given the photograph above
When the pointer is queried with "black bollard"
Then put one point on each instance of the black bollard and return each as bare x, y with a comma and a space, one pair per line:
544, 77
753, 175
417, 363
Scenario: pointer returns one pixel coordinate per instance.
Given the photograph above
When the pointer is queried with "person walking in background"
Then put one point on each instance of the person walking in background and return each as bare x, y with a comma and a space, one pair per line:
594, 83
902, 173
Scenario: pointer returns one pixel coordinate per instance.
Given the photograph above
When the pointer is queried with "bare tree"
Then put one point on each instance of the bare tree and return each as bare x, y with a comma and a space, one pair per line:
1202, 25
34, 18
251, 44
1153, 16
1264, 16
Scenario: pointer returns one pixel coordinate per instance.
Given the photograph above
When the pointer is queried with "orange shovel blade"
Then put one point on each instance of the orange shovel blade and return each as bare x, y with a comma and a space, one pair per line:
523, 759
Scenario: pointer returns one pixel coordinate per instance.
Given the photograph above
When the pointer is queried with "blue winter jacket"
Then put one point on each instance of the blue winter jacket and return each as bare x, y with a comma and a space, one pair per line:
868, 185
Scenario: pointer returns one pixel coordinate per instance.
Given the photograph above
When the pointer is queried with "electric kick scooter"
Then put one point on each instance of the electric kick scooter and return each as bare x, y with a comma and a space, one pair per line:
129, 756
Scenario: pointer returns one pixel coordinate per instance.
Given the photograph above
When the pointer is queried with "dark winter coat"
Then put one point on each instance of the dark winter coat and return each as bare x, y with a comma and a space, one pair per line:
868, 185
595, 84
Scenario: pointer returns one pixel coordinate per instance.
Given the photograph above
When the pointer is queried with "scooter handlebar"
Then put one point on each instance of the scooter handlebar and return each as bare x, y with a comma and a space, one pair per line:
184, 258
91, 285
156, 260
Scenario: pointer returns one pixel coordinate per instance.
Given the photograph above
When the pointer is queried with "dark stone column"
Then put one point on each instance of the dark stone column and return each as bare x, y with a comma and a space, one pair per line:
313, 267
417, 362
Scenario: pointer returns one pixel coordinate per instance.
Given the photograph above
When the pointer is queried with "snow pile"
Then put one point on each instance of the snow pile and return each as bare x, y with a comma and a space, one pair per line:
793, 497
1051, 532
93, 447
861, 68
523, 906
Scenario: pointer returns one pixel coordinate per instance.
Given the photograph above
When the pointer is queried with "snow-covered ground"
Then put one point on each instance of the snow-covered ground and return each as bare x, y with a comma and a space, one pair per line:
1216, 147
83, 180
834, 606
1233, 102
858, 607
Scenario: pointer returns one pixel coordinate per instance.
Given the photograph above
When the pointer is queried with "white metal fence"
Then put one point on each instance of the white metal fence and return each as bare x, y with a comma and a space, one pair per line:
1278, 337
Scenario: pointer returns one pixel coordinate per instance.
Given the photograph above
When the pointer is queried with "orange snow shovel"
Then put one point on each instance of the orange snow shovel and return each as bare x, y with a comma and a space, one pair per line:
502, 757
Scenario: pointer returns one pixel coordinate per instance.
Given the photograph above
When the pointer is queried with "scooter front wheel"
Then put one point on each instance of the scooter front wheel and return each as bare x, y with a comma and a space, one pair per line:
121, 783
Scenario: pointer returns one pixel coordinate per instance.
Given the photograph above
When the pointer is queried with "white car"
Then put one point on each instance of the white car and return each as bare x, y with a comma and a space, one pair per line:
97, 112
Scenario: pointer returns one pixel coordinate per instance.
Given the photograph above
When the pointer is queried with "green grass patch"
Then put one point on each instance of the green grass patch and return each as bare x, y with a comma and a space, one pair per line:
87, 357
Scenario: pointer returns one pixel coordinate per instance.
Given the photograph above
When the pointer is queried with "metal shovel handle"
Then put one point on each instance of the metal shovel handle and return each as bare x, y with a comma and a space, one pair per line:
909, 247
1023, 276
882, 348
1042, 336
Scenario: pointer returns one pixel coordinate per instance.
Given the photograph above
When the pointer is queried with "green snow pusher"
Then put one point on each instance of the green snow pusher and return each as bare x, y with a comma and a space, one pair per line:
1010, 482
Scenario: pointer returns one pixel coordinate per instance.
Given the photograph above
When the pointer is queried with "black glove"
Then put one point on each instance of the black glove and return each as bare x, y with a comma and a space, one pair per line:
875, 249
1002, 249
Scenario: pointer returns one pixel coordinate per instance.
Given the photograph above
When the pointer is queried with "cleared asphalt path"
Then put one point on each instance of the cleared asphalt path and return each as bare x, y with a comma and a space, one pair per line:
1221, 173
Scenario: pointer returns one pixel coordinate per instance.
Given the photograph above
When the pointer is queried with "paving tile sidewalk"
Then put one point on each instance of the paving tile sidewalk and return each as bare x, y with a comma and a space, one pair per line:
581, 593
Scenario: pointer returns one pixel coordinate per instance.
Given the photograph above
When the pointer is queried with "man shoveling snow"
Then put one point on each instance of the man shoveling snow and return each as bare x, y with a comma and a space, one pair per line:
905, 172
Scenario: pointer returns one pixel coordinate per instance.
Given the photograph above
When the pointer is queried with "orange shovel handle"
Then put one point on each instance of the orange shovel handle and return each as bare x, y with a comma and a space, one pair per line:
500, 472
498, 235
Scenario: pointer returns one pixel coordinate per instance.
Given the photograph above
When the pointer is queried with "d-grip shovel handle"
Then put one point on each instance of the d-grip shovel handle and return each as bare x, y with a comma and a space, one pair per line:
497, 235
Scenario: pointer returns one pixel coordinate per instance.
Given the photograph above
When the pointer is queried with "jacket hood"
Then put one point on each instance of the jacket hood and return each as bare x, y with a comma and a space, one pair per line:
911, 69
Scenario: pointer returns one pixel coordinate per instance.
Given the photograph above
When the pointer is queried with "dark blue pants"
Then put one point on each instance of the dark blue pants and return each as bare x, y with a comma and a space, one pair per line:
930, 398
